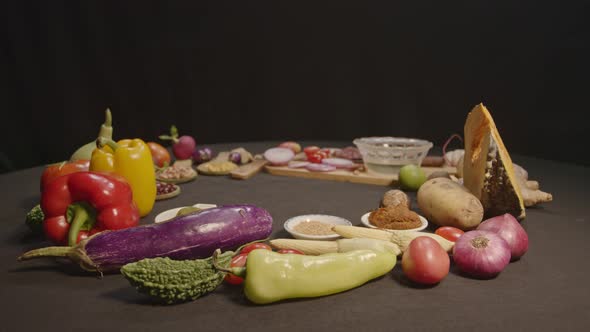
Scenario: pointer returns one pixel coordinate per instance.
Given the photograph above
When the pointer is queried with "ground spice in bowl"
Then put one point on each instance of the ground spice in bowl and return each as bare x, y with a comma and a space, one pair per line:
314, 228
395, 217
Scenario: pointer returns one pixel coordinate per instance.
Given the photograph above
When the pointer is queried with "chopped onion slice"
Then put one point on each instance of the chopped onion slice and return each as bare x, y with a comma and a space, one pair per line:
320, 167
298, 164
279, 156
338, 162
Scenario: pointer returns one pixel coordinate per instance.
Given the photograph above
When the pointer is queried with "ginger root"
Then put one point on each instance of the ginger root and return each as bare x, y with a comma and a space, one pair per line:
531, 195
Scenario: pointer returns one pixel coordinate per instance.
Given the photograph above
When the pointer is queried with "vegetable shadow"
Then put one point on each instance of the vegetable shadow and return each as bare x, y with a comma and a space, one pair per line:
455, 271
398, 276
129, 295
68, 269
28, 238
236, 295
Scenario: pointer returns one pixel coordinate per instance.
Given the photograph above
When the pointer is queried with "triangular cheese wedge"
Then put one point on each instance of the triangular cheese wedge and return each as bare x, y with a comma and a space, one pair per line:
487, 168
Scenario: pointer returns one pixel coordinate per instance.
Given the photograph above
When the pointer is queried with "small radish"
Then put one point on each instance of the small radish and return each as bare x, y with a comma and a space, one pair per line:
183, 147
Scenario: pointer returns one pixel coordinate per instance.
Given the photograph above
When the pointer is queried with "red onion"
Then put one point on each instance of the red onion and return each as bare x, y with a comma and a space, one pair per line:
279, 156
235, 157
481, 254
201, 155
511, 231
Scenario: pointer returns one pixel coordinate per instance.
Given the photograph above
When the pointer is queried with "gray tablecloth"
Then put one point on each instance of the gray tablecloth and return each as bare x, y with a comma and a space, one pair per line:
547, 290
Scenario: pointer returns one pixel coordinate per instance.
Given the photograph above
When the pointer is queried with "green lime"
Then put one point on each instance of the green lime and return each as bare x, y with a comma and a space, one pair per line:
411, 177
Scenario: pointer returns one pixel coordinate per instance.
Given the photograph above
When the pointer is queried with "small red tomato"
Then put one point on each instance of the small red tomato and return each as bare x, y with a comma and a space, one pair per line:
82, 235
327, 152
94, 231
257, 245
316, 158
311, 149
236, 261
56, 170
291, 145
425, 261
291, 251
449, 233
160, 155
56, 229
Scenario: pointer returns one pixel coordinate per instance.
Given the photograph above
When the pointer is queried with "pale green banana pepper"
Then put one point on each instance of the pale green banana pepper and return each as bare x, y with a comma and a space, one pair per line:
272, 277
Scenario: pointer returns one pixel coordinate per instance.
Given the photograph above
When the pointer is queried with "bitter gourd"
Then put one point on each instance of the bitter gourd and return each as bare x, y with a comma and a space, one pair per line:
172, 281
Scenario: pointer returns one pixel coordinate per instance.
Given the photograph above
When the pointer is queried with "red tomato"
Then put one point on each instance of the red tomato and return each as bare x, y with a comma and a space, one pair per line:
54, 171
425, 261
316, 157
160, 155
257, 245
236, 261
82, 235
291, 251
311, 150
449, 233
56, 229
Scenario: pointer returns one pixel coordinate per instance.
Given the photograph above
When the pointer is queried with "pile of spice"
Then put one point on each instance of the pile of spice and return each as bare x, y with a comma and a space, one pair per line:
395, 217
177, 172
314, 228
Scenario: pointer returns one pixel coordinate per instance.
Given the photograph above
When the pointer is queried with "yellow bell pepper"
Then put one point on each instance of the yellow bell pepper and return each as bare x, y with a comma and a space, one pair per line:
131, 159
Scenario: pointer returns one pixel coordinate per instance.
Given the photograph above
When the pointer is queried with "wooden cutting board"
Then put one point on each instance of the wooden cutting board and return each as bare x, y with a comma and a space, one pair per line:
347, 176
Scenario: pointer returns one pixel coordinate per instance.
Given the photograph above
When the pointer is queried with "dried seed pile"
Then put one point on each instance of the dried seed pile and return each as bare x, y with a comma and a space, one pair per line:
314, 228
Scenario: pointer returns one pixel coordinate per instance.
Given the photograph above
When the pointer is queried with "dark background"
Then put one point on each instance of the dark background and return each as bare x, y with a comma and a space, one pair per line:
231, 71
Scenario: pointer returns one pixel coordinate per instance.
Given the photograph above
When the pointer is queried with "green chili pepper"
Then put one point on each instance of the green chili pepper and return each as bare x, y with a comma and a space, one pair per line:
273, 277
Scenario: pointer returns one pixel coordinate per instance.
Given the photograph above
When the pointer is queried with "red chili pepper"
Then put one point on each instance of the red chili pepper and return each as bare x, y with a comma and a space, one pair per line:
79, 204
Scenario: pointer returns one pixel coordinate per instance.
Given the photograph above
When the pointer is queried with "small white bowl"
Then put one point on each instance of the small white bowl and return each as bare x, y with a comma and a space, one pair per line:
323, 218
169, 214
366, 222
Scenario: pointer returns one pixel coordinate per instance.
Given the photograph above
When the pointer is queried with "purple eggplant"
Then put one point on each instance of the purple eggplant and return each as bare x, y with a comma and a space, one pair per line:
190, 236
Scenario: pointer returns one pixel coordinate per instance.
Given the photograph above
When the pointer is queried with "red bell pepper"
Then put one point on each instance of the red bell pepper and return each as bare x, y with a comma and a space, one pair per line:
54, 171
80, 204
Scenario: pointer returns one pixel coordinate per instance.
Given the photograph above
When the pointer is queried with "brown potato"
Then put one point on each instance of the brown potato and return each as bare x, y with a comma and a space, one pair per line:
447, 203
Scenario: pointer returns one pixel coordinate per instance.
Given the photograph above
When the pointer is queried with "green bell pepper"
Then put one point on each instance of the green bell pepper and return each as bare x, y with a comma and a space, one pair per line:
272, 277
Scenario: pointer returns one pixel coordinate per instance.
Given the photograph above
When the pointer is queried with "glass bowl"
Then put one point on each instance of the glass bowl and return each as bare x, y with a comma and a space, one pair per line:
387, 155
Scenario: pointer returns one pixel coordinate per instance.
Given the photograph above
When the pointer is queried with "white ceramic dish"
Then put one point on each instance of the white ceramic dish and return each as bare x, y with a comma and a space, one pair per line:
169, 214
366, 222
324, 218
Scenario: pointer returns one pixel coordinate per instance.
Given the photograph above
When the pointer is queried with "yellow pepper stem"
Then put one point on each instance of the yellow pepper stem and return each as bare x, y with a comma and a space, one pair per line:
102, 141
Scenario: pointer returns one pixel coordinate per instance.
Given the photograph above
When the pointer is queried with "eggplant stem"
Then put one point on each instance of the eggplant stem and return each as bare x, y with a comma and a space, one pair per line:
46, 252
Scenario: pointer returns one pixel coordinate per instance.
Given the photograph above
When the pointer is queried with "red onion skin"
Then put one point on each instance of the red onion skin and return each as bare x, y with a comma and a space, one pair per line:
511, 231
484, 262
